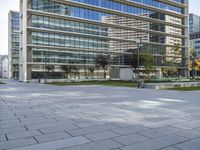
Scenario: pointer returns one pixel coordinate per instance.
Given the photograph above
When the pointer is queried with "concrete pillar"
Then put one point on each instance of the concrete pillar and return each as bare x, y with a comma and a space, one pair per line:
25, 69
185, 62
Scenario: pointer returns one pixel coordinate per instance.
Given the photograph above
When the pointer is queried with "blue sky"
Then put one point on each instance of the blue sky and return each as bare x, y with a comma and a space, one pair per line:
6, 5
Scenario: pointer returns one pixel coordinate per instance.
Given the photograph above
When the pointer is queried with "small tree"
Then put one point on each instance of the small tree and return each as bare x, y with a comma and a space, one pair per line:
66, 70
50, 68
193, 61
148, 63
91, 69
142, 60
103, 61
177, 54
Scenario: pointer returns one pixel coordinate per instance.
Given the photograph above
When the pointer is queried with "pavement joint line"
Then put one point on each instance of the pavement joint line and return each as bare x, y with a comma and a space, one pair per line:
26, 128
148, 136
176, 143
117, 141
88, 138
40, 131
69, 133
177, 147
36, 139
6, 137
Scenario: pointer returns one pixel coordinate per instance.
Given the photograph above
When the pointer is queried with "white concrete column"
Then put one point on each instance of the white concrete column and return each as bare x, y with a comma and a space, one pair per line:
23, 41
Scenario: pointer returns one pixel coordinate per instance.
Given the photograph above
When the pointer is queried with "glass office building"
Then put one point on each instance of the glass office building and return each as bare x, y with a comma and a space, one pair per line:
75, 32
13, 44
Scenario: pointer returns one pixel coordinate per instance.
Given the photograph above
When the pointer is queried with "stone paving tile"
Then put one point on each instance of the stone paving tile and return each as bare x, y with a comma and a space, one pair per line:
52, 137
12, 130
171, 148
188, 125
4, 119
101, 135
154, 133
164, 123
89, 124
130, 129
131, 139
90, 130
24, 134
8, 122
107, 144
190, 145
58, 128
17, 143
37, 121
89, 110
58, 144
191, 134
44, 125
155, 144
2, 137
11, 125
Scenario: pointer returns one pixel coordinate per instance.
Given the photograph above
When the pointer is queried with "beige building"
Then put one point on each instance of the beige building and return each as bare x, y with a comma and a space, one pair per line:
126, 34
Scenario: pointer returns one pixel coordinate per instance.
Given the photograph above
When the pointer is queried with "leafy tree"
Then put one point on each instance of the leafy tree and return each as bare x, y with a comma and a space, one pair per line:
85, 68
148, 63
193, 61
103, 61
50, 68
66, 69
145, 59
176, 51
91, 69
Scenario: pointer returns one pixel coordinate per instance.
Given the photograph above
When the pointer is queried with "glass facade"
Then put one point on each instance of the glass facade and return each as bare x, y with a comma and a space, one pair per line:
75, 32
14, 44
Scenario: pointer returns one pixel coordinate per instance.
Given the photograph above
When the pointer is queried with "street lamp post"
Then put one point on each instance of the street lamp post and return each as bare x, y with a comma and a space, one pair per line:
138, 42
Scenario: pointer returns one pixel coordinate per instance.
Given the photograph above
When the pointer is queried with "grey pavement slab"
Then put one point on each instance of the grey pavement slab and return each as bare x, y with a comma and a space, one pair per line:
64, 127
190, 134
24, 134
57, 144
170, 148
101, 135
17, 143
90, 130
130, 129
163, 131
52, 137
107, 144
12, 130
2, 137
190, 145
131, 139
155, 144
90, 117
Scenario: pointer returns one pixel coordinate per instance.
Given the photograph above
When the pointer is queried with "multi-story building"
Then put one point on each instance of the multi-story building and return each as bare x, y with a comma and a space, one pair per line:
75, 32
13, 44
5, 66
194, 23
1, 67
195, 42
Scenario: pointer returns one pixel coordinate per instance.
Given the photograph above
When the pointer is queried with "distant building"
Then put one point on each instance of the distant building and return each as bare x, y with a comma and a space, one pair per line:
194, 27
4, 63
1, 57
195, 42
194, 23
13, 44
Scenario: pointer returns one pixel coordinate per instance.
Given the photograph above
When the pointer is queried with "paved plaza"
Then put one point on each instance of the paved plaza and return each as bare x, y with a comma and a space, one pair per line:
46, 117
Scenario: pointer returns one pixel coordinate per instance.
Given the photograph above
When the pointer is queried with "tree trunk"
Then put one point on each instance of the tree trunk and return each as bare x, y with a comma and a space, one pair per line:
104, 73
